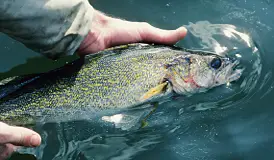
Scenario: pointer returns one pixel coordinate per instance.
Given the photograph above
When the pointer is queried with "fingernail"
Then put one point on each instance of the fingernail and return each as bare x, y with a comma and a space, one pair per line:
35, 140
183, 29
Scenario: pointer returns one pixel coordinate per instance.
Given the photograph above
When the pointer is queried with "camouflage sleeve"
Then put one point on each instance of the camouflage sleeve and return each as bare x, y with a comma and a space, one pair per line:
53, 28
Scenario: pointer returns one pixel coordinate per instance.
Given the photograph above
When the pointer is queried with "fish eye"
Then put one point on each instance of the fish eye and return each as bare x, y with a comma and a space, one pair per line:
216, 63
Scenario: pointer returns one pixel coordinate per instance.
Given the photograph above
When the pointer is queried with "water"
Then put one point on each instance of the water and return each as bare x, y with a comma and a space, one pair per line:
230, 122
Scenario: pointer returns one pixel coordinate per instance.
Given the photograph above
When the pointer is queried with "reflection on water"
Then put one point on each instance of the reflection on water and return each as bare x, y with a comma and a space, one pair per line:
92, 141
234, 121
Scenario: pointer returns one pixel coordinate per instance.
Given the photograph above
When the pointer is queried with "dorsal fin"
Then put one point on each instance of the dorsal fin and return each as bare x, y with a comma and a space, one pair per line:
12, 84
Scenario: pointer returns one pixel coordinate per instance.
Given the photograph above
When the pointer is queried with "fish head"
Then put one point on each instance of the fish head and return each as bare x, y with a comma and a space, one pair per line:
194, 73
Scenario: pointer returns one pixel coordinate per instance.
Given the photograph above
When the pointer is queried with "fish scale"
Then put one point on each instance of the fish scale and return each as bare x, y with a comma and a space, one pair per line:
118, 79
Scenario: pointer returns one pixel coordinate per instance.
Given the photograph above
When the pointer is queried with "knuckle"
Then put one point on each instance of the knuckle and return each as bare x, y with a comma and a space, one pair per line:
21, 139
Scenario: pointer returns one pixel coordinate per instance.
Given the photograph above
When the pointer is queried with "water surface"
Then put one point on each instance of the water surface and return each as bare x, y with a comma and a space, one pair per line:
234, 121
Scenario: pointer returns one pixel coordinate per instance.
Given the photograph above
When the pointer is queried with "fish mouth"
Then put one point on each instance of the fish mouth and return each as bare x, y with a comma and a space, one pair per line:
231, 71
236, 71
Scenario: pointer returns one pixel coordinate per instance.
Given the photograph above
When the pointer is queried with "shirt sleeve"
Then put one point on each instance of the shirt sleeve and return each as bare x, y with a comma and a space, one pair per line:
53, 28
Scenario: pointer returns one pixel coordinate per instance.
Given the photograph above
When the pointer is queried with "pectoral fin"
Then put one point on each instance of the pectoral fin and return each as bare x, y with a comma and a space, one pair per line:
154, 91
144, 122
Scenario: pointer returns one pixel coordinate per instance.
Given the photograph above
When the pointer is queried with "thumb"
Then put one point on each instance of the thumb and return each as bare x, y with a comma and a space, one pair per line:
156, 35
18, 136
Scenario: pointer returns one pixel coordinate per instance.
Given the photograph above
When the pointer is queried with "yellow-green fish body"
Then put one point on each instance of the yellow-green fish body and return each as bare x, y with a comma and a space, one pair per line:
115, 78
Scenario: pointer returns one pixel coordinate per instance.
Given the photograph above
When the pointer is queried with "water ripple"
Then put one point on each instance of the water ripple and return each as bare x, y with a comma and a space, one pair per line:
226, 39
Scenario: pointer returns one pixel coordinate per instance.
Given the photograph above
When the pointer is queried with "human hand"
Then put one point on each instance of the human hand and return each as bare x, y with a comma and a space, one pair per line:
108, 32
11, 137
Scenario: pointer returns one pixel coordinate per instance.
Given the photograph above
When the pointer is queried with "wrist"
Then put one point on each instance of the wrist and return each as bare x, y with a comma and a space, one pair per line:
94, 37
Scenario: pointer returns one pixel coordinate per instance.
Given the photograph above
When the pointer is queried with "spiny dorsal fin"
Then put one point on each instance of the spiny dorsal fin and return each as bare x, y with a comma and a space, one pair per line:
12, 84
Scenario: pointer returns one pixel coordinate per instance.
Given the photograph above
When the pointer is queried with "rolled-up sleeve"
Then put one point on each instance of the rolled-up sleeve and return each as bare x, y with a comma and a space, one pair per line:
53, 28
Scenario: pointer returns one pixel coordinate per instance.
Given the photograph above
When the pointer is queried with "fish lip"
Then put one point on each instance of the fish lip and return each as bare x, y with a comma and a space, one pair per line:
235, 64
234, 72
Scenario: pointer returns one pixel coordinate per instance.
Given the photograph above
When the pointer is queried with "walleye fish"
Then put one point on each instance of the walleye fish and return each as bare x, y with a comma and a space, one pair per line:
118, 77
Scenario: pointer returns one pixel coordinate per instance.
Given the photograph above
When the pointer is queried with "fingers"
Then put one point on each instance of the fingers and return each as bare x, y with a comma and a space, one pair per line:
152, 34
6, 151
119, 32
18, 136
